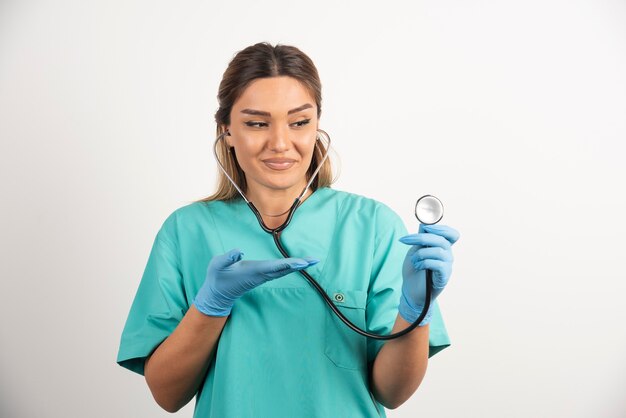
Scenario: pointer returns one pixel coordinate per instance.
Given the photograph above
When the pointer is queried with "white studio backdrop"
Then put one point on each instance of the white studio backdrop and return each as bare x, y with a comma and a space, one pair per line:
513, 113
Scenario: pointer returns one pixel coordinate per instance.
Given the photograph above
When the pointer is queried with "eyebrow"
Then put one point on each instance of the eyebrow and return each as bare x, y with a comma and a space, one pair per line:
263, 113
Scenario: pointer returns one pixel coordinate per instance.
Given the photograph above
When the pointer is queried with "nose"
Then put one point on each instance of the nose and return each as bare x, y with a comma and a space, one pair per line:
278, 140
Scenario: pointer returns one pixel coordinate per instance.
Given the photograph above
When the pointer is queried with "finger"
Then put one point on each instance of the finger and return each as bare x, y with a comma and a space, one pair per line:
433, 253
441, 271
426, 240
312, 260
451, 234
294, 264
225, 260
278, 268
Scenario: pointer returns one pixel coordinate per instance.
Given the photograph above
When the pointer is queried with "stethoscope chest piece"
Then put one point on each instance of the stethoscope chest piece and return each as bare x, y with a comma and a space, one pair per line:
428, 210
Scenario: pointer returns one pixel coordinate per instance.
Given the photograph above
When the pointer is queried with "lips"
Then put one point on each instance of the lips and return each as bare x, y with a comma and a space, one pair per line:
279, 163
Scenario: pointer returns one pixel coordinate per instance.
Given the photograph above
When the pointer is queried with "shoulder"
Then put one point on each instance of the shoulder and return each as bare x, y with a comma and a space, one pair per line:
190, 216
366, 205
184, 213
359, 206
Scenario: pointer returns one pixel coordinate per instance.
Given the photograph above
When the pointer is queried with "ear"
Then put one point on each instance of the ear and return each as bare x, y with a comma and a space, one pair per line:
226, 128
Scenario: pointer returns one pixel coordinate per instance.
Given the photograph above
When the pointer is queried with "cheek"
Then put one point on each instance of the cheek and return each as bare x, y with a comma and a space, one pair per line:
307, 150
245, 158
247, 147
305, 144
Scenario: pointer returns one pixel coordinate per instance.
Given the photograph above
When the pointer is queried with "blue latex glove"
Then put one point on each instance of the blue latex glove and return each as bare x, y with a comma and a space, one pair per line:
431, 249
228, 278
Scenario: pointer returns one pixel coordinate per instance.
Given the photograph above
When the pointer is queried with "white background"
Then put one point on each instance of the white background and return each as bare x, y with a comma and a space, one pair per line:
513, 113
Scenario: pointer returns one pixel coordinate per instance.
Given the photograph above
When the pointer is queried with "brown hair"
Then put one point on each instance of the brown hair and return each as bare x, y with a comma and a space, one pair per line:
263, 60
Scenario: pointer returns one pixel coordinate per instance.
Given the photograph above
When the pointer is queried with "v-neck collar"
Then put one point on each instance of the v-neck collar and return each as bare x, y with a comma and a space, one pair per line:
311, 203
310, 232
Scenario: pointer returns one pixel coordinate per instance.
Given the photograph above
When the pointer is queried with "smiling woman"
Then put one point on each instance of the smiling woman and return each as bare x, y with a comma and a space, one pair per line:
264, 63
249, 338
273, 131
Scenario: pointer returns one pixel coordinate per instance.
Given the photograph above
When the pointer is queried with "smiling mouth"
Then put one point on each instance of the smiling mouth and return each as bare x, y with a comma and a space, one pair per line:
279, 163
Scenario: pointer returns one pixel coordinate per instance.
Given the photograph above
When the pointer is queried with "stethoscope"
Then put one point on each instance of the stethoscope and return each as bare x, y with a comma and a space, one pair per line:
428, 211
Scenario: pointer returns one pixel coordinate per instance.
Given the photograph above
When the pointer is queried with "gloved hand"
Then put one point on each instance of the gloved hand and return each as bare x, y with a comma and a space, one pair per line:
228, 278
431, 249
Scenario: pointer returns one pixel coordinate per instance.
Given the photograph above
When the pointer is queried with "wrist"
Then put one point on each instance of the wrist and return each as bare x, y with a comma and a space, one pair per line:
209, 311
212, 306
212, 301
411, 313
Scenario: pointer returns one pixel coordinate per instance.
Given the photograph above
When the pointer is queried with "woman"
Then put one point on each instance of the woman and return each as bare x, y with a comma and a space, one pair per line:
247, 335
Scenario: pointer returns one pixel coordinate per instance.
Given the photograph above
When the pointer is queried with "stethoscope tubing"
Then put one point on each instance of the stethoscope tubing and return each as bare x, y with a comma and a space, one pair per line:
344, 319
275, 232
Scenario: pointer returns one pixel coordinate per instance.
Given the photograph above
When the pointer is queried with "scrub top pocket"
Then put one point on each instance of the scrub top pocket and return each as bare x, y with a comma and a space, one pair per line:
344, 347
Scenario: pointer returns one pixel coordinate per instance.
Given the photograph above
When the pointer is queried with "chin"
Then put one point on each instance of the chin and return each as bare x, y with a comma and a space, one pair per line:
282, 182
289, 186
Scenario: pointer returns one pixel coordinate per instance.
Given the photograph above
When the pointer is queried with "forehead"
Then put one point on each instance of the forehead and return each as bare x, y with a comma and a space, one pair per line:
278, 94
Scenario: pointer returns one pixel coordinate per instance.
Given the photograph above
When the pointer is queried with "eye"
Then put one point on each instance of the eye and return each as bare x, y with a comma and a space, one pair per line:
301, 123
254, 124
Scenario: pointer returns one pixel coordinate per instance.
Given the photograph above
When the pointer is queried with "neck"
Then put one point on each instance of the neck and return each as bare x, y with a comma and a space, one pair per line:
274, 205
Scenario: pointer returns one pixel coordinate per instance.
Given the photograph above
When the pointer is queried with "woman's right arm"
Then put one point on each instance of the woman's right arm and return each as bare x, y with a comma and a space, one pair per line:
175, 370
177, 367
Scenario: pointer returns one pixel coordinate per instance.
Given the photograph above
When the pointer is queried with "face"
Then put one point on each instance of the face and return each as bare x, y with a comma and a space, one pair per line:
273, 131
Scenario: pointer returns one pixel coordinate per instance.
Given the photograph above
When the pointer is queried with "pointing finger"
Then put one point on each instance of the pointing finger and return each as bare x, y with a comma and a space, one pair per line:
426, 240
451, 234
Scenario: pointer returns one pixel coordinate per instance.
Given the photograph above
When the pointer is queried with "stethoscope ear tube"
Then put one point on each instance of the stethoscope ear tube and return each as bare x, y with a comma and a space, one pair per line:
340, 315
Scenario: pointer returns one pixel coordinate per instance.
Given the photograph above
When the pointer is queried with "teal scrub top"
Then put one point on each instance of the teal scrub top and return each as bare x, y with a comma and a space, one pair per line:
282, 352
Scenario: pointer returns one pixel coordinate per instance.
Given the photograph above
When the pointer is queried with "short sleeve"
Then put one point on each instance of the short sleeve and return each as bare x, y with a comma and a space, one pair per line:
386, 284
159, 303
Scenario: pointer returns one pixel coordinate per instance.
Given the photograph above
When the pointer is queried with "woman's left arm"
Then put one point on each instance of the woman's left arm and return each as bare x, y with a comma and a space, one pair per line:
400, 366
